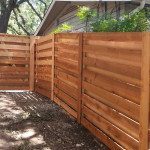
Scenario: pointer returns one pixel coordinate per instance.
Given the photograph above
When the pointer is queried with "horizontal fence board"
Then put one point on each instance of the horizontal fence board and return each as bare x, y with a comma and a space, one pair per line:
44, 46
13, 39
14, 47
65, 106
66, 98
114, 67
14, 54
44, 62
44, 54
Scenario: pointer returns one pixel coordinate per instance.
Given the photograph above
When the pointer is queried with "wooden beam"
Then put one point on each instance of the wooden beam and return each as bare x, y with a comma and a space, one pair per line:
53, 67
144, 105
32, 61
80, 67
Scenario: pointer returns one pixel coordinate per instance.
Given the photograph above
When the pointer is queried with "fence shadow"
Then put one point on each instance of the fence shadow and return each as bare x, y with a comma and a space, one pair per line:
31, 121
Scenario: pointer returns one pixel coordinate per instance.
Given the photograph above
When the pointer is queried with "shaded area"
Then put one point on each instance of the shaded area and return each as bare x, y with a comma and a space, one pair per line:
29, 121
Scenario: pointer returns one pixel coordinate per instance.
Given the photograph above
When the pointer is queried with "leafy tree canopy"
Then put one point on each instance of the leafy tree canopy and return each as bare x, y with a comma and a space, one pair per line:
21, 16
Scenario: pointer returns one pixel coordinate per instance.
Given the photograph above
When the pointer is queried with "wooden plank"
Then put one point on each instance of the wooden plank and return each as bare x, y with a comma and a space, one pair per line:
117, 36
14, 47
66, 46
44, 38
14, 76
116, 76
14, 87
14, 54
32, 48
114, 44
44, 54
101, 135
44, 46
66, 107
66, 98
130, 55
14, 82
53, 67
114, 67
73, 36
17, 62
144, 104
14, 39
80, 69
44, 84
126, 107
68, 67
13, 69
69, 79
114, 86
116, 118
118, 135
43, 92
66, 55
69, 90
110, 59
44, 62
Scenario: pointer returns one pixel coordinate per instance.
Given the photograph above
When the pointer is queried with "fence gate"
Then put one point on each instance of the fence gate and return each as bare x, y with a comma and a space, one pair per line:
14, 62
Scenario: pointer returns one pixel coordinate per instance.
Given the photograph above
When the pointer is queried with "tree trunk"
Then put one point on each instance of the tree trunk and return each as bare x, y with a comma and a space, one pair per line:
6, 9
4, 19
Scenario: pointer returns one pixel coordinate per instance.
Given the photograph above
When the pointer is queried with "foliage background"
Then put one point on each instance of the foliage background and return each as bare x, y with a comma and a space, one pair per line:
26, 17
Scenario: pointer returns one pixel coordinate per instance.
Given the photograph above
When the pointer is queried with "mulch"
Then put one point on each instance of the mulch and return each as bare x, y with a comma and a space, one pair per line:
29, 121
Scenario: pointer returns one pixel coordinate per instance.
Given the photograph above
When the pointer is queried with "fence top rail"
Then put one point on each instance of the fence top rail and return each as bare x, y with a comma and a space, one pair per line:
12, 35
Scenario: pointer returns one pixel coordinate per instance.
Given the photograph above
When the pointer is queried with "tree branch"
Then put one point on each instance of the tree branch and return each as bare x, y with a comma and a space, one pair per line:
44, 5
34, 10
19, 24
23, 20
20, 2
14, 30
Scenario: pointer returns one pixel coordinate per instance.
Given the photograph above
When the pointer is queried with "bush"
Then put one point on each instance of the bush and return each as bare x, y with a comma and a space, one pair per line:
63, 28
86, 14
136, 22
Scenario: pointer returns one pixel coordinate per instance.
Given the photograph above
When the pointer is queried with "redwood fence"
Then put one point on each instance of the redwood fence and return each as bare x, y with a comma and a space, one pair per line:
101, 79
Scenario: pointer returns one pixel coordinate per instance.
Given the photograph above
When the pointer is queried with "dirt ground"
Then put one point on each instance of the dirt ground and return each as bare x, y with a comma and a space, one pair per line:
29, 121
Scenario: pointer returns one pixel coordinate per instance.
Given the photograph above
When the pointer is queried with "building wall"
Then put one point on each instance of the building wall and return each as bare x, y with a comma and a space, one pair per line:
68, 15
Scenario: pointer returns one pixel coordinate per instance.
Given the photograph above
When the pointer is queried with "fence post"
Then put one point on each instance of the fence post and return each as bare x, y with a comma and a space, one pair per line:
144, 104
32, 61
53, 67
80, 67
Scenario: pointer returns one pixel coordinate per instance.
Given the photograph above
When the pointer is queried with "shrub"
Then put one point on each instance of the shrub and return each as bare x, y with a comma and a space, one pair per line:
63, 28
86, 14
136, 22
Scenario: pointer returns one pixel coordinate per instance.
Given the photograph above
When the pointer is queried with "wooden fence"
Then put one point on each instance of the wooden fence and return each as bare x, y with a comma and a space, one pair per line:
14, 62
66, 72
43, 65
101, 79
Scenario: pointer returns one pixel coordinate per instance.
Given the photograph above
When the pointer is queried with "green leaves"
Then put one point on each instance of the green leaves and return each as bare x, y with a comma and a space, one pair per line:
85, 13
136, 22
25, 19
63, 28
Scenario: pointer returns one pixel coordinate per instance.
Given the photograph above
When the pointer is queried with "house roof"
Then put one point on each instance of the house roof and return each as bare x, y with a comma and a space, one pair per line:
56, 8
